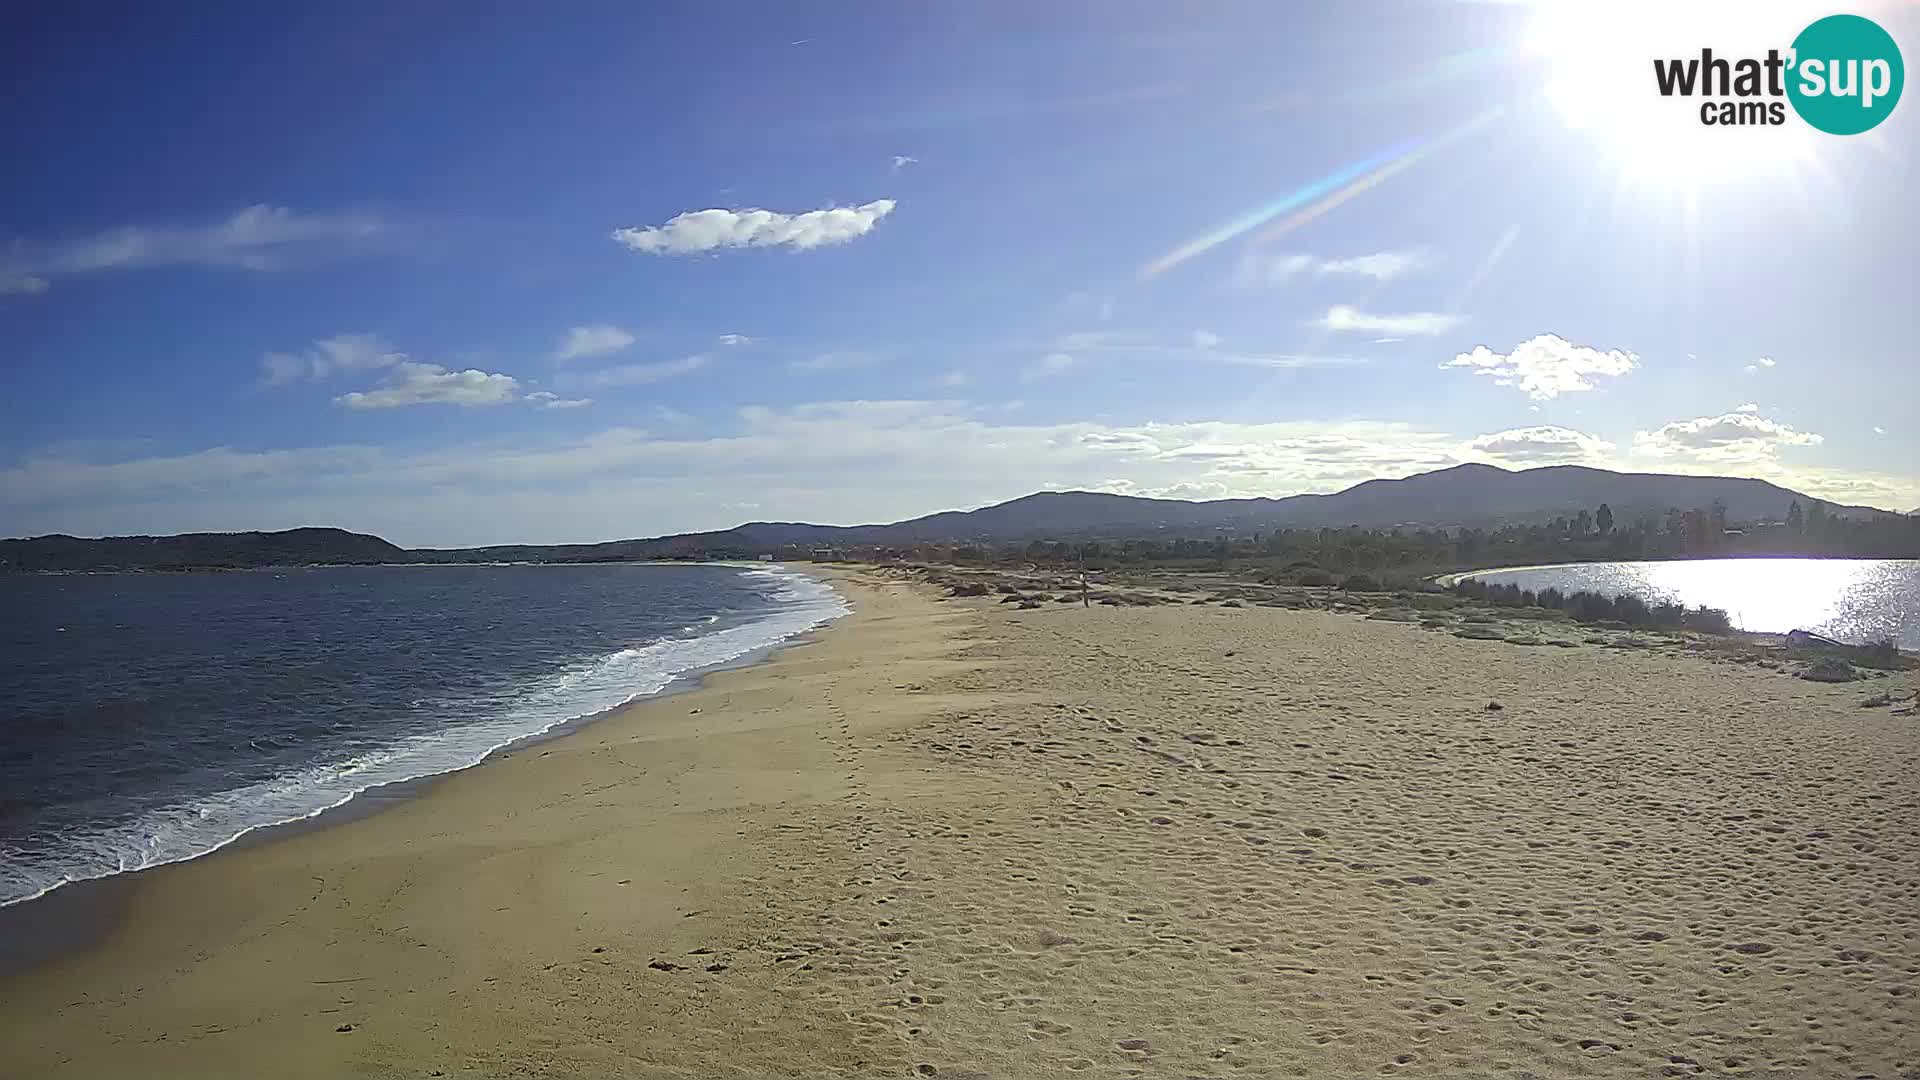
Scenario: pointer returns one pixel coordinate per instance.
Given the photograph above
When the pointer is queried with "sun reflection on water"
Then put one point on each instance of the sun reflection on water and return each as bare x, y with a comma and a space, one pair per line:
1849, 599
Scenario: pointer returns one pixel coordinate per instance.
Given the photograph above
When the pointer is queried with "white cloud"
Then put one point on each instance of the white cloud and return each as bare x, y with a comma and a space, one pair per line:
1752, 407
634, 374
1766, 361
21, 284
1050, 364
599, 339
733, 340
1546, 366
1763, 362
1735, 437
843, 360
1423, 323
953, 379
413, 383
709, 230
329, 356
1254, 270
256, 238
1380, 266
842, 462
547, 399
1205, 339
901, 161
1543, 445
1879, 431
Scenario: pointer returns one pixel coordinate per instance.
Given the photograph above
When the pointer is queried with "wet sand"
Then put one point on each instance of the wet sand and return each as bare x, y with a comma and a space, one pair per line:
949, 837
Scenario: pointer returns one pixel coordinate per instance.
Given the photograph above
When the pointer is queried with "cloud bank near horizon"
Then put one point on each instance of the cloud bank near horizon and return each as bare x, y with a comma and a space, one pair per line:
833, 462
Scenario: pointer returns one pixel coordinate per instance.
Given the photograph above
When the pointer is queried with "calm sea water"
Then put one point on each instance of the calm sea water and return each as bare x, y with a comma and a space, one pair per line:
1852, 600
150, 718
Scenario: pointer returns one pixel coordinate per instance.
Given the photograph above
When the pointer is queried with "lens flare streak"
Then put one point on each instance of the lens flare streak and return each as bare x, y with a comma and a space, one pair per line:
1323, 194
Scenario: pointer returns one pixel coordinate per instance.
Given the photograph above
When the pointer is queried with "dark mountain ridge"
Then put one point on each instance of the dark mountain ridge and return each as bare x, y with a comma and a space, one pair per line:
288, 547
1464, 495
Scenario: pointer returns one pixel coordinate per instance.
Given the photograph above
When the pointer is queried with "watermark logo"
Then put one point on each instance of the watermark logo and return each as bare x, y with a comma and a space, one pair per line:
1843, 75
1849, 75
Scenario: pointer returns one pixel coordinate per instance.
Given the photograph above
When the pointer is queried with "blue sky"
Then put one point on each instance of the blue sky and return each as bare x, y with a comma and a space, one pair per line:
467, 274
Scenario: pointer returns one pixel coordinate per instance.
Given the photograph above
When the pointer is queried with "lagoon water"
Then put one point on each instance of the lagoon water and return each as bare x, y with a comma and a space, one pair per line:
1852, 600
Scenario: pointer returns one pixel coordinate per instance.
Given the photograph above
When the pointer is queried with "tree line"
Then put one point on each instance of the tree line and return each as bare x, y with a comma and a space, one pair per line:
1326, 556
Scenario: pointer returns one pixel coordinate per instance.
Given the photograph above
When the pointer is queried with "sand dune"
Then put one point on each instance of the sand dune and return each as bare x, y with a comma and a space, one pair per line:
955, 838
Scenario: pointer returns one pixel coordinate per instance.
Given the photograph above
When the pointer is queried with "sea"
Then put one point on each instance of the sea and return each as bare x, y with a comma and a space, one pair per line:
1852, 600
151, 718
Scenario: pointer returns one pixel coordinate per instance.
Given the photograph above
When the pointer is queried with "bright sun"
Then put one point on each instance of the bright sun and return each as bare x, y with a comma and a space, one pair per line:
1599, 59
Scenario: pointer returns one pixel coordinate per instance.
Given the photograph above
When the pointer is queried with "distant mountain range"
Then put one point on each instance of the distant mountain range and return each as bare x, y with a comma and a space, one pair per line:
1465, 495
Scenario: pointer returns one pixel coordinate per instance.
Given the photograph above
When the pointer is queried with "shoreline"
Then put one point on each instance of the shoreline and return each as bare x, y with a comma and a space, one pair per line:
29, 924
78, 915
216, 929
957, 836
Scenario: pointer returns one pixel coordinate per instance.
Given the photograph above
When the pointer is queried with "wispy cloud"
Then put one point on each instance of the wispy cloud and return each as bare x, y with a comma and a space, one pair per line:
1285, 361
1200, 346
635, 374
1084, 302
1546, 366
599, 339
413, 383
953, 380
1088, 340
260, 238
711, 230
841, 360
547, 399
1257, 270
732, 341
330, 356
1421, 323
901, 161
1053, 363
1763, 362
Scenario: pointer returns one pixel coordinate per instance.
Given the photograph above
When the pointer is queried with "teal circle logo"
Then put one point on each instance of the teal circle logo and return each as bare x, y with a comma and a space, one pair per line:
1846, 75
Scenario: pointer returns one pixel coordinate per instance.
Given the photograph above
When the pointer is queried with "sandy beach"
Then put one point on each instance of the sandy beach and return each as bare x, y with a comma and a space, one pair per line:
958, 838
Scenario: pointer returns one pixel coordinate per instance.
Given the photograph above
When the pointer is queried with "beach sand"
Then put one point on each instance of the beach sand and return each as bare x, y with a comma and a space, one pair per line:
953, 838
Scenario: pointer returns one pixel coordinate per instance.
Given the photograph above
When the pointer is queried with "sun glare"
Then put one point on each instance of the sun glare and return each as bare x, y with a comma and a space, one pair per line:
1598, 64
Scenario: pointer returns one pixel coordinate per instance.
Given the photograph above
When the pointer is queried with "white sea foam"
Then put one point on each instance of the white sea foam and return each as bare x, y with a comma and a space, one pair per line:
206, 824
